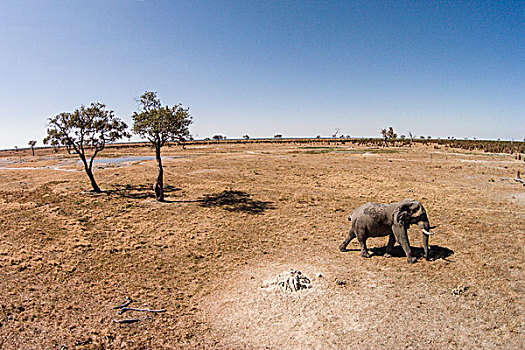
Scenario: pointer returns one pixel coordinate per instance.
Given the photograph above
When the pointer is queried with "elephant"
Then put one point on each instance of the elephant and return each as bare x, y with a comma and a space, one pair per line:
393, 220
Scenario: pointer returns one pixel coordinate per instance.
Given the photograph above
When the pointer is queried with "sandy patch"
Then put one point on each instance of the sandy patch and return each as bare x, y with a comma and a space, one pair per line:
251, 315
518, 198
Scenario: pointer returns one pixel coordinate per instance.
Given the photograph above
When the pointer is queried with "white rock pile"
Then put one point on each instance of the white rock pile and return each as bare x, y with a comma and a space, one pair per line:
291, 281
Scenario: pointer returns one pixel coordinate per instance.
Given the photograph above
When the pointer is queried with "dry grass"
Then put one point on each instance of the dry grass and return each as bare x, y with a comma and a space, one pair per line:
239, 214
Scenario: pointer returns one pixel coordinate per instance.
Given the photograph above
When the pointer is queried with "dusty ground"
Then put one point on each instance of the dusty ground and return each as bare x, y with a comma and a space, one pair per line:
237, 215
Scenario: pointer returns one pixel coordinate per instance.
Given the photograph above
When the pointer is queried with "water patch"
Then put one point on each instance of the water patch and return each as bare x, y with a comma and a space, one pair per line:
38, 168
120, 160
486, 161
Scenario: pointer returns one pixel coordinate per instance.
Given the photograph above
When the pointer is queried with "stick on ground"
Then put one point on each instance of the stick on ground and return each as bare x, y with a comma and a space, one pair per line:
128, 301
131, 320
124, 309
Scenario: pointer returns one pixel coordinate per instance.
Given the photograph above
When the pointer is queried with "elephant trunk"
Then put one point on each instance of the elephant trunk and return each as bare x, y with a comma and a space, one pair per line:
425, 245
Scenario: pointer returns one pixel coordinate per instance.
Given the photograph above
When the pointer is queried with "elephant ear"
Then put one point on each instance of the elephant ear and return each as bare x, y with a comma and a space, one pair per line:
401, 214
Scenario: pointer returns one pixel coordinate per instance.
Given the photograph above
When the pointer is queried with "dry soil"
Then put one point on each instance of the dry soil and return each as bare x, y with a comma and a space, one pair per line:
238, 215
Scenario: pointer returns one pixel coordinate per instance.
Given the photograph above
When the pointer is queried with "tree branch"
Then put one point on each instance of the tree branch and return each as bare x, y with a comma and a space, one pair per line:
66, 135
93, 157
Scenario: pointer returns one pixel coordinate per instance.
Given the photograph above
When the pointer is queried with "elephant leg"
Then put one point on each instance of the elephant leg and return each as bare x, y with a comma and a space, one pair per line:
364, 250
390, 245
351, 235
401, 236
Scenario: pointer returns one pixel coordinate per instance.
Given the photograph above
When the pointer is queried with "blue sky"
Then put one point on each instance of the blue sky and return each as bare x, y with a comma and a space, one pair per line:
298, 68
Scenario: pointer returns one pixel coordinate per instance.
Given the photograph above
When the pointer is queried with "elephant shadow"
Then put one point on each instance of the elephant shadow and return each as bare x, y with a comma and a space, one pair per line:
435, 252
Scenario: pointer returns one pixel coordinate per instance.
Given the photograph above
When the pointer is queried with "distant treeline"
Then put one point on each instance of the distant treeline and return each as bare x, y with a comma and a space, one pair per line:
489, 146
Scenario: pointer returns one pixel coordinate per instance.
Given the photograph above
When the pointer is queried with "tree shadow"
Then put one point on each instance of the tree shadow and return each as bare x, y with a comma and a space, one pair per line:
138, 191
238, 201
435, 252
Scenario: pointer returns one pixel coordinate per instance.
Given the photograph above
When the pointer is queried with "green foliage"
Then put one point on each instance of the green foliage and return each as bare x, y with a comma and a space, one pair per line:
87, 128
320, 151
389, 134
160, 124
489, 146
92, 127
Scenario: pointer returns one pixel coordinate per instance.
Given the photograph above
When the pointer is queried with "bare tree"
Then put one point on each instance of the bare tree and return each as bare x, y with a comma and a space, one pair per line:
32, 144
411, 137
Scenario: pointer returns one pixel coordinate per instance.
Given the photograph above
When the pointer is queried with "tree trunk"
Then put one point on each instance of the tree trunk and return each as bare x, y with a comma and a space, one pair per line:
89, 173
159, 182
33, 150
93, 182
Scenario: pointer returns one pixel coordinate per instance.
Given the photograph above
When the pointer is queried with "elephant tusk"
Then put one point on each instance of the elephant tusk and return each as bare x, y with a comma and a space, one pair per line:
426, 232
